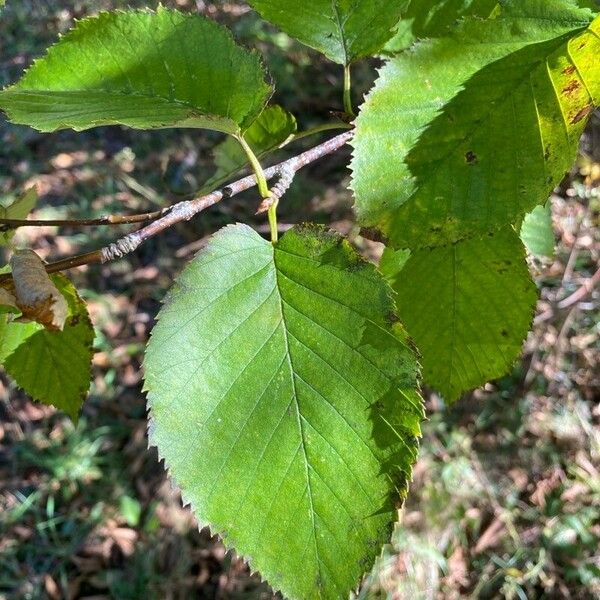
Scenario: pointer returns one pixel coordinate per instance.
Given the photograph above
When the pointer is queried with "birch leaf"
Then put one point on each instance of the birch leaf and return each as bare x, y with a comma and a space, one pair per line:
142, 69
283, 397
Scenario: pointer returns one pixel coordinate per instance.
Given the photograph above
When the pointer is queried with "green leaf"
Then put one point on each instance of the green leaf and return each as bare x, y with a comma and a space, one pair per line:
13, 334
343, 30
391, 264
53, 367
468, 307
593, 5
433, 18
272, 128
17, 209
466, 134
144, 70
285, 404
537, 232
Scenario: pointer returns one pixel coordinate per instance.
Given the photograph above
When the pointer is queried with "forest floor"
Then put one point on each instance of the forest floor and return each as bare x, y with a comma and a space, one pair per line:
505, 501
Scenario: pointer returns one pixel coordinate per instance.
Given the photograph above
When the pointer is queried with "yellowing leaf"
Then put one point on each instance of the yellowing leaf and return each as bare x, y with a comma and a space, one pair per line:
467, 133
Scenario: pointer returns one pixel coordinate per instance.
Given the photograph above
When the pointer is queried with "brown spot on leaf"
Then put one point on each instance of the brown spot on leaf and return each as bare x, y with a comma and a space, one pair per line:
582, 114
571, 87
471, 157
569, 70
373, 234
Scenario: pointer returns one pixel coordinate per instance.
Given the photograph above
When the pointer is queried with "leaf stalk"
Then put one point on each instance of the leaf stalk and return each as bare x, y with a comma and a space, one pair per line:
348, 91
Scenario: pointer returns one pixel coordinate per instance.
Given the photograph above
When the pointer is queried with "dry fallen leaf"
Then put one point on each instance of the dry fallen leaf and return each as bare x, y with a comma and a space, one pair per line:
36, 295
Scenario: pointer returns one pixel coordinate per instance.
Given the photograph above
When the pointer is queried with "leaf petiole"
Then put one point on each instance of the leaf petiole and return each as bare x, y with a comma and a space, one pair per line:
261, 180
263, 187
348, 91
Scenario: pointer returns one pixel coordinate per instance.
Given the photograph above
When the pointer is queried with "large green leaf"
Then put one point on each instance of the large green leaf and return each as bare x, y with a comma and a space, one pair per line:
537, 231
468, 133
343, 30
19, 208
272, 128
144, 70
284, 401
468, 308
53, 367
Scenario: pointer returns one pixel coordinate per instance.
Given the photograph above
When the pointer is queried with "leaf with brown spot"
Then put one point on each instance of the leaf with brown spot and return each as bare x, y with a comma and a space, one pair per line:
582, 114
440, 159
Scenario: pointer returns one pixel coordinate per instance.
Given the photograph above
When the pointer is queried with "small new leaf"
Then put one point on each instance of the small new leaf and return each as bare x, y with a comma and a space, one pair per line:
283, 397
17, 209
36, 295
537, 232
468, 308
343, 31
142, 69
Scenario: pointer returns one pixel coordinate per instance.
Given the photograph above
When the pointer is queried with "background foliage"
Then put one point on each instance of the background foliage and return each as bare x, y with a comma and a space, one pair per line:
86, 511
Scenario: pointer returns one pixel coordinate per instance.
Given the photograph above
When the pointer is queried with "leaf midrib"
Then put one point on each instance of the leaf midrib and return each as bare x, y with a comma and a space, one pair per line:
101, 91
193, 111
338, 23
299, 418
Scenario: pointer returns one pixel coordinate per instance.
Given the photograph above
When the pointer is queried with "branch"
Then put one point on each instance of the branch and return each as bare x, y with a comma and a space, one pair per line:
113, 219
582, 292
586, 288
8, 224
184, 211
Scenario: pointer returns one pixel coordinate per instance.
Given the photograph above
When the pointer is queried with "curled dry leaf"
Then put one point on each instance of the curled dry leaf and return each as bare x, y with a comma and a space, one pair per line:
36, 295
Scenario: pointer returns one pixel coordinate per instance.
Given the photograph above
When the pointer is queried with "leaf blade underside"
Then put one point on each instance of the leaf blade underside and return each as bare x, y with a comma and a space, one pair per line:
19, 208
537, 232
141, 69
341, 30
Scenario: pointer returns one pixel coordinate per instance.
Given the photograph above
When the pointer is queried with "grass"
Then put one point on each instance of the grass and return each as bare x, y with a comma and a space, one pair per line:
501, 508
506, 497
